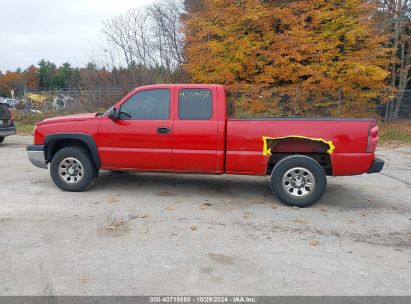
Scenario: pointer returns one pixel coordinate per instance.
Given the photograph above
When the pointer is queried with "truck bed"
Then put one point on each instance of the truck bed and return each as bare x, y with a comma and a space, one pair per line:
349, 136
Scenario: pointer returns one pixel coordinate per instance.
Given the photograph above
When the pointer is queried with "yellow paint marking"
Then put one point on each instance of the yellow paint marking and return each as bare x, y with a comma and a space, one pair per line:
267, 151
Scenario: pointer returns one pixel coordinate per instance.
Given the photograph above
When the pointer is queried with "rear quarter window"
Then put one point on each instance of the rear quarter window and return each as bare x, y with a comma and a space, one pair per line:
195, 104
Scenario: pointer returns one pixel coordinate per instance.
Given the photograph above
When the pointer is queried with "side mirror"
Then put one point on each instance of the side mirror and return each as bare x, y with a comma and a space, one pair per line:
113, 114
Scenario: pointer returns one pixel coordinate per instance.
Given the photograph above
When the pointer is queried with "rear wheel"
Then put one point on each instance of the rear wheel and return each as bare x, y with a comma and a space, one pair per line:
1, 139
298, 180
72, 169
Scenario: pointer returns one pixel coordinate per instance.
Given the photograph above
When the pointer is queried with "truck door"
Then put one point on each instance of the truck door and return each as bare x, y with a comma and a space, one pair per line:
195, 130
141, 138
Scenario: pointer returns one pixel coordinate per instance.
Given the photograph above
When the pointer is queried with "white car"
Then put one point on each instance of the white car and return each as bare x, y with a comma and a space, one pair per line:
9, 102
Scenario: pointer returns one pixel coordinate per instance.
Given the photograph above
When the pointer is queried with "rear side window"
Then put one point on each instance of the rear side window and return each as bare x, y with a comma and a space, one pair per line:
195, 104
4, 112
147, 105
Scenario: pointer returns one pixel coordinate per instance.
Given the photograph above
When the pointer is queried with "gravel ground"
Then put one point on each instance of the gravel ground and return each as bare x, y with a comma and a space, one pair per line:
146, 234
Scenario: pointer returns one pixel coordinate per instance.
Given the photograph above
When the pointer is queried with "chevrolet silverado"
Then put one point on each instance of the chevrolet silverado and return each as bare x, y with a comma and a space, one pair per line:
189, 129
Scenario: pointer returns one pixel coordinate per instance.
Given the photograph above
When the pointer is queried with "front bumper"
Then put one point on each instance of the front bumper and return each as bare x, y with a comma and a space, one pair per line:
376, 166
7, 131
36, 156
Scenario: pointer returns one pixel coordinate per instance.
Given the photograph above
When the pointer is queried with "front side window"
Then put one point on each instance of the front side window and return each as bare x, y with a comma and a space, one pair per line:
195, 104
147, 105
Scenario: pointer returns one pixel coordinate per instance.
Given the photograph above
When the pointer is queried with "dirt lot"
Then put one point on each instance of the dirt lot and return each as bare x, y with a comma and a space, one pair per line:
132, 234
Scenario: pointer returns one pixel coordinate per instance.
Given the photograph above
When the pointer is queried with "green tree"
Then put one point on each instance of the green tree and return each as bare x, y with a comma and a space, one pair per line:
63, 76
45, 73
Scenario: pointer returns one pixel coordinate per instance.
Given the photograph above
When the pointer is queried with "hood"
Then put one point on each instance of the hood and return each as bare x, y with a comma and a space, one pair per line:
75, 117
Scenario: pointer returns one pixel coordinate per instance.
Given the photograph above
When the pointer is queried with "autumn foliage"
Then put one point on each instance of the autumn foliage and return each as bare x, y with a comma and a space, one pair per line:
308, 57
18, 79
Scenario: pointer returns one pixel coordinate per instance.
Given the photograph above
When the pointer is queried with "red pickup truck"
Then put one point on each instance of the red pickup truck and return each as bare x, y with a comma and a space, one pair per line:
188, 129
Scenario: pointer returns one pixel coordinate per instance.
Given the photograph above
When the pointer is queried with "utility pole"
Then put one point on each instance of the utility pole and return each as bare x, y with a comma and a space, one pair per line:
25, 98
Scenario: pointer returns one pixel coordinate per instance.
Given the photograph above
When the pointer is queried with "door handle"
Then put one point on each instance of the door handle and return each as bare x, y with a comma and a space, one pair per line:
163, 130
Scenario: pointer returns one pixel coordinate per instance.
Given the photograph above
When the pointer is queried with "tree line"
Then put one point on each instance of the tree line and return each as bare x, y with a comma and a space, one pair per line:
294, 57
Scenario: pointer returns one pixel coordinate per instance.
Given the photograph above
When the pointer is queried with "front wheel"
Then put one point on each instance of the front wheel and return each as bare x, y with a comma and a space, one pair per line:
72, 169
1, 139
298, 180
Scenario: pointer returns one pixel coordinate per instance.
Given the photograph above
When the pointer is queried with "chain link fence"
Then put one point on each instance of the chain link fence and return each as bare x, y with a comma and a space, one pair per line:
276, 104
69, 100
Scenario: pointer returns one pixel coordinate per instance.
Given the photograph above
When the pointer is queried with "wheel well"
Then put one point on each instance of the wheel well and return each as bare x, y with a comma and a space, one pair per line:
53, 147
56, 141
296, 144
322, 158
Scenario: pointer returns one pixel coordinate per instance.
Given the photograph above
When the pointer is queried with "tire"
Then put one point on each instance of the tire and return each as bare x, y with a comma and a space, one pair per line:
299, 181
72, 169
1, 139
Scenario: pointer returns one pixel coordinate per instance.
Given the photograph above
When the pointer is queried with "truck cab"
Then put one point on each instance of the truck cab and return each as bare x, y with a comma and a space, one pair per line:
178, 128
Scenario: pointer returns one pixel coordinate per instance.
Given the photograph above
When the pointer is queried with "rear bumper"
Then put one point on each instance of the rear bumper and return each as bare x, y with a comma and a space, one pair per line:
36, 156
376, 166
7, 131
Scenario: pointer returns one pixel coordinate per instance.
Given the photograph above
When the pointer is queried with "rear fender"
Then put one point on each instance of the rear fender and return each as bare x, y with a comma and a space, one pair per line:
316, 148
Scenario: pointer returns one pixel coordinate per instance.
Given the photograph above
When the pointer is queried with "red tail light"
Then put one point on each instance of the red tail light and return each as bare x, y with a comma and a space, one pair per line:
372, 138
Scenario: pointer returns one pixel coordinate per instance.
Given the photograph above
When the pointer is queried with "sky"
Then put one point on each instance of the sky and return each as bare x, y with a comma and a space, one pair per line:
56, 30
